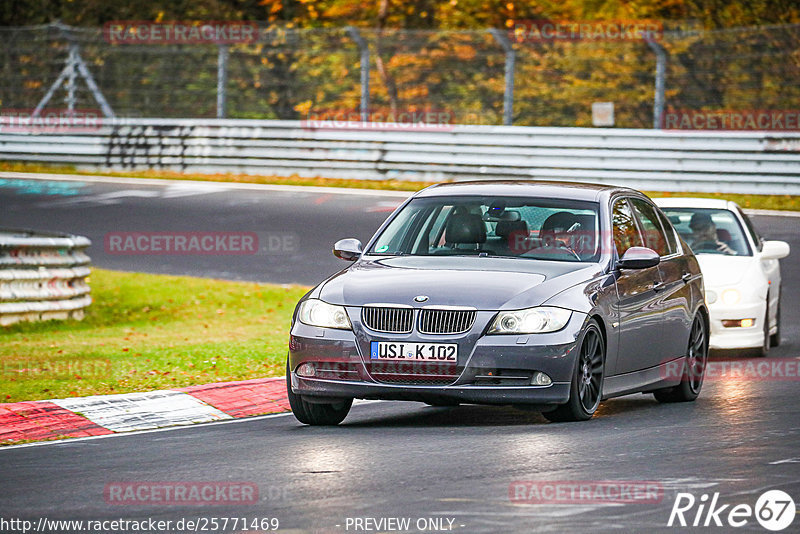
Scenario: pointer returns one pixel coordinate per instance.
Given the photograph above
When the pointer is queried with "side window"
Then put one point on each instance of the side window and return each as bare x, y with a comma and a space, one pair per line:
626, 235
651, 226
672, 241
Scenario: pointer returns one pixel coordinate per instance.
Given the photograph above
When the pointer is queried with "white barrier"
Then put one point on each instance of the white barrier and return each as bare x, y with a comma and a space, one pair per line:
708, 161
42, 276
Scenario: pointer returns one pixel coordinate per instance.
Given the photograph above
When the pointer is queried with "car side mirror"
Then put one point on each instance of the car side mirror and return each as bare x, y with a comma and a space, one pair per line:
638, 258
774, 250
347, 249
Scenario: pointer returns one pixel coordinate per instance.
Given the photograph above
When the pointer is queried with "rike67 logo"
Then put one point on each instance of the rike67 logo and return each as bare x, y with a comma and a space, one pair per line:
774, 510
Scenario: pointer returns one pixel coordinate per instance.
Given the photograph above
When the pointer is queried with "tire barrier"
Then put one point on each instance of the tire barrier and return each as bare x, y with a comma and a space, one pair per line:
42, 276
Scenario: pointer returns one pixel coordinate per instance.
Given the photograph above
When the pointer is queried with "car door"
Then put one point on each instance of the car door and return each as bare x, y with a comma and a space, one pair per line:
637, 299
771, 268
674, 294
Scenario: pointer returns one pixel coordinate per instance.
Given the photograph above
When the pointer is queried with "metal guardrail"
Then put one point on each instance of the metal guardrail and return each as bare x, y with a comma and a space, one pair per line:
42, 276
699, 161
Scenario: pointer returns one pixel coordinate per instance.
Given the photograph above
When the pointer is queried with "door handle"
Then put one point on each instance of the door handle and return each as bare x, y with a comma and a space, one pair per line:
686, 277
658, 286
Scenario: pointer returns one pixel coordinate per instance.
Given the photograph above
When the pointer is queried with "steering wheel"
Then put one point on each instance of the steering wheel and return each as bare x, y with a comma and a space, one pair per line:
706, 245
562, 244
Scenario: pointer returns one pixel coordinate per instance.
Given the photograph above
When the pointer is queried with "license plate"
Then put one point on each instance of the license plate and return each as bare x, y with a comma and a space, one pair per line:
401, 351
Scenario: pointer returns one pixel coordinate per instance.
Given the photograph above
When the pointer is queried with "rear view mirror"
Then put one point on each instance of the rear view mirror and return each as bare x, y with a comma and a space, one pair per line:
638, 258
774, 250
347, 249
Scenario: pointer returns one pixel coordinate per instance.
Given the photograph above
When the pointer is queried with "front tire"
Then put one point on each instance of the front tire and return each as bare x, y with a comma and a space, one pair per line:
767, 342
694, 369
308, 413
775, 339
586, 388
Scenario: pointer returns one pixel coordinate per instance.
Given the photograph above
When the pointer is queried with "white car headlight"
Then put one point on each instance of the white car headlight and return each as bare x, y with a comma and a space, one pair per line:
315, 312
537, 320
711, 297
731, 296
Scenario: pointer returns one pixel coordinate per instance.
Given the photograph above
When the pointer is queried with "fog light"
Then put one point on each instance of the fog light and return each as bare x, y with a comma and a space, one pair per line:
540, 379
738, 323
306, 370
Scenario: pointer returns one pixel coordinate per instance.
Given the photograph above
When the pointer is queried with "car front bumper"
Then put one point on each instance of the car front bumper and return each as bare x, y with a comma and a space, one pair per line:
725, 338
492, 369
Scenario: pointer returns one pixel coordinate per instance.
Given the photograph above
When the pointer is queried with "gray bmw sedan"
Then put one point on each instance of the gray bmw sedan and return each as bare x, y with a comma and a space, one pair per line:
543, 295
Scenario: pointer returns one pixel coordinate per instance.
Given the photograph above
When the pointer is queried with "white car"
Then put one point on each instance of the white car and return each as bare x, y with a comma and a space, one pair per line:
741, 271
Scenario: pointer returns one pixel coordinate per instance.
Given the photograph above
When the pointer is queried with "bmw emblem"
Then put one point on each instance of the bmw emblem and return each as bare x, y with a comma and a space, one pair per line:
420, 298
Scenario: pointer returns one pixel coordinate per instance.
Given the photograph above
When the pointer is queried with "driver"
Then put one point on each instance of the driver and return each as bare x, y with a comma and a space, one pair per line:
704, 235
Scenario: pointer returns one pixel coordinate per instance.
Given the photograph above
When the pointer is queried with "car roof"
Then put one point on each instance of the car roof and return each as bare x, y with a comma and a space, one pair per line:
688, 202
531, 188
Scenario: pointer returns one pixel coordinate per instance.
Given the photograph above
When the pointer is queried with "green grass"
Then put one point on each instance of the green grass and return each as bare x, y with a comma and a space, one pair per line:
769, 202
146, 332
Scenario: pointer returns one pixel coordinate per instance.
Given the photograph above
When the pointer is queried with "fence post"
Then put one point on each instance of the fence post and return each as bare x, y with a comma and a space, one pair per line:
364, 52
222, 80
508, 93
661, 75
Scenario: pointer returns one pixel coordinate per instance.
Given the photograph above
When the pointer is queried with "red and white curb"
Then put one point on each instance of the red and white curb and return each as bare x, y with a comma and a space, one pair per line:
108, 414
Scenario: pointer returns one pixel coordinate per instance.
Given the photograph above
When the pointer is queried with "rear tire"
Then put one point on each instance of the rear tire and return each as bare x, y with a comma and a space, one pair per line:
308, 413
694, 367
586, 388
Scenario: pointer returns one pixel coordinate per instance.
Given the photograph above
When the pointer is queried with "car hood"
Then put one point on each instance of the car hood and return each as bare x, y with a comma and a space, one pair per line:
720, 270
483, 283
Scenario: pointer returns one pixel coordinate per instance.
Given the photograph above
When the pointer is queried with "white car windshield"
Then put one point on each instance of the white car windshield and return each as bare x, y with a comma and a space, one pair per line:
710, 231
534, 228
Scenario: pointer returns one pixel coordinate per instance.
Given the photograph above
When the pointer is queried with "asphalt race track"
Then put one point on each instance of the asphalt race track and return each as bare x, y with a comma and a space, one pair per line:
406, 460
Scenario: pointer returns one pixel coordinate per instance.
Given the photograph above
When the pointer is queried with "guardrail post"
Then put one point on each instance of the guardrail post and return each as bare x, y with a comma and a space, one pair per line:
508, 93
222, 81
364, 52
661, 75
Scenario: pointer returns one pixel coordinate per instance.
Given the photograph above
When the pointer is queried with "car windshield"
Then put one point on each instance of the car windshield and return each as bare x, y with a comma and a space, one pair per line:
534, 228
710, 231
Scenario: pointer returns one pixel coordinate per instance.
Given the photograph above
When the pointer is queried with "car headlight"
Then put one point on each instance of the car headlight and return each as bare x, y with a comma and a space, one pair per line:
537, 320
731, 296
711, 297
315, 312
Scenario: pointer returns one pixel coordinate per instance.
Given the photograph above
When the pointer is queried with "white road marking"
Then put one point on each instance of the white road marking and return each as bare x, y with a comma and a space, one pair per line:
786, 461
113, 197
173, 190
142, 411
304, 189
70, 441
